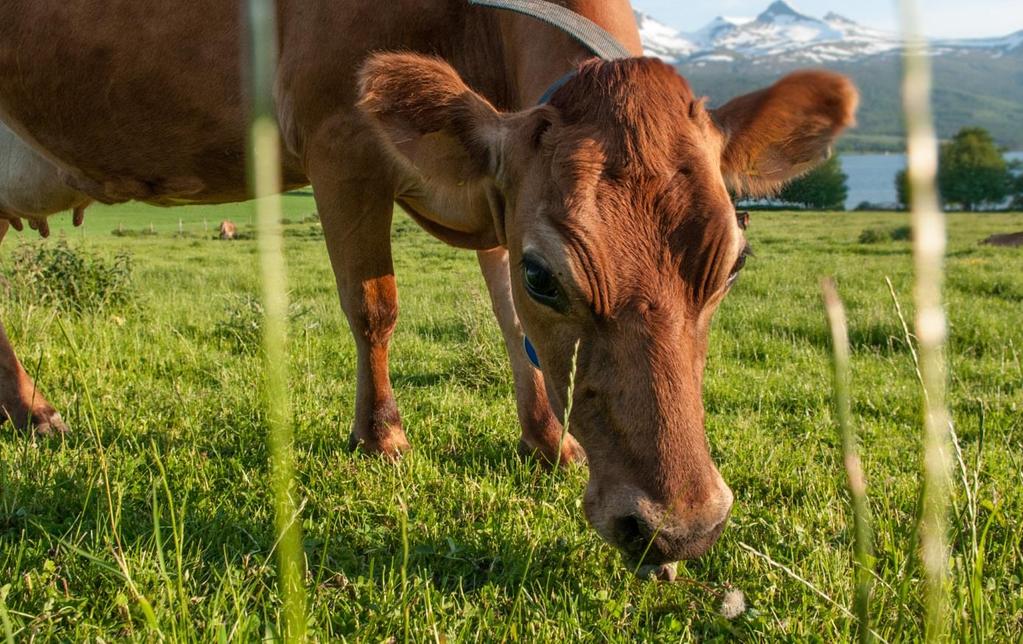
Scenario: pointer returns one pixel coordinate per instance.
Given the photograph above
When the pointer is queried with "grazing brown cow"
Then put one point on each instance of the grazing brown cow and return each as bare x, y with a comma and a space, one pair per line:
602, 218
228, 230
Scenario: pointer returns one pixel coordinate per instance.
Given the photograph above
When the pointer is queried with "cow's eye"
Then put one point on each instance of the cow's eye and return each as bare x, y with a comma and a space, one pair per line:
739, 263
540, 283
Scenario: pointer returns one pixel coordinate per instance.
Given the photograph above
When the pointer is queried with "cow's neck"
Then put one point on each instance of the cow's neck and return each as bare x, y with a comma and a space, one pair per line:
511, 59
536, 55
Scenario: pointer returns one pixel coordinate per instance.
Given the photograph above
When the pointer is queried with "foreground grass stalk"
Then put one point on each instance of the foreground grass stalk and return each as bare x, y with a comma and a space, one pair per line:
264, 169
5, 620
569, 397
929, 239
851, 458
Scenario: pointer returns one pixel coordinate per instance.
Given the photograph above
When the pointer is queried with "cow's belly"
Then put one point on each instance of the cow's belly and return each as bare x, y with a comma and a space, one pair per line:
132, 99
142, 99
30, 186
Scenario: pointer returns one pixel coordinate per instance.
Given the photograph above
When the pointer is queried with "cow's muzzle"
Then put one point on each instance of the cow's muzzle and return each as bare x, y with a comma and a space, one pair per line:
649, 532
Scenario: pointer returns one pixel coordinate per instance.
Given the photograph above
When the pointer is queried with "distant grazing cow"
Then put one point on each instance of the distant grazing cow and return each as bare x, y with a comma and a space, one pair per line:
228, 230
1005, 239
601, 219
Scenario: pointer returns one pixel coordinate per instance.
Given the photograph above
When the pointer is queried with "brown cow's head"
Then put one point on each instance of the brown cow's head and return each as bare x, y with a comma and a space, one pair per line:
613, 202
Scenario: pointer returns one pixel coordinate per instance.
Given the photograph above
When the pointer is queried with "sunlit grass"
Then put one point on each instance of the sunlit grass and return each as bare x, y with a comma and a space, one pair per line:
179, 411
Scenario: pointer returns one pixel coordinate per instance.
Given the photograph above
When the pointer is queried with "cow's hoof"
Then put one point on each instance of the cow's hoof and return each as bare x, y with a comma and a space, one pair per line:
41, 422
50, 424
571, 451
392, 446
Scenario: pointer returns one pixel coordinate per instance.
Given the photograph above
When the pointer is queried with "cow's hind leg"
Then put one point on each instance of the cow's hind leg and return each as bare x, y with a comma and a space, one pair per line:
20, 402
356, 215
541, 431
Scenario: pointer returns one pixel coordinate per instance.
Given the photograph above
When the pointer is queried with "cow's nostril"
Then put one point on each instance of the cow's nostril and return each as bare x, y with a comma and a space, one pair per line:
716, 531
632, 532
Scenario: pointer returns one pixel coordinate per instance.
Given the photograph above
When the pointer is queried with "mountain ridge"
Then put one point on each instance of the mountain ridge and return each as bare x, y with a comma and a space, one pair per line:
782, 32
977, 81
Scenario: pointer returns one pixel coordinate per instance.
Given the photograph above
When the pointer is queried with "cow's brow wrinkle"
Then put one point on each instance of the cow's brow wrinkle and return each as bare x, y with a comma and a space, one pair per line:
724, 270
575, 245
584, 259
710, 270
705, 273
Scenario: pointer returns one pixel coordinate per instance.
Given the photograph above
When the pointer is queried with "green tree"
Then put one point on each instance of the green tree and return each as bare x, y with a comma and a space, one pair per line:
902, 191
972, 171
1016, 174
823, 187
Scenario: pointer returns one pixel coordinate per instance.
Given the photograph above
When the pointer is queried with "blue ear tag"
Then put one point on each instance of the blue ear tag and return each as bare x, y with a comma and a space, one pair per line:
530, 352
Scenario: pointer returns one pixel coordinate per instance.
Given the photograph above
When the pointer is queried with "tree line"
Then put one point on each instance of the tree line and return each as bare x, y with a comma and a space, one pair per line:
972, 173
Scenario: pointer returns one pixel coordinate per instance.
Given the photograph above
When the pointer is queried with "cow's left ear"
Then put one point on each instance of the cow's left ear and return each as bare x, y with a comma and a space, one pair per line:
778, 133
448, 133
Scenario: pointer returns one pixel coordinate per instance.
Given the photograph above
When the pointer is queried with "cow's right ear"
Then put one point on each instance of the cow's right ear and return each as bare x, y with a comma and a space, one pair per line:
780, 132
431, 119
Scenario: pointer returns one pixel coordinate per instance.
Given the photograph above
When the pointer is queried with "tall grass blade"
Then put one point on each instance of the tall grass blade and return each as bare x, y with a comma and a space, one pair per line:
569, 397
264, 173
862, 548
814, 589
5, 617
929, 239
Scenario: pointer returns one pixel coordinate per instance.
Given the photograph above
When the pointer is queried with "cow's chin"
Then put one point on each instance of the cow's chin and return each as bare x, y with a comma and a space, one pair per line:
653, 568
663, 572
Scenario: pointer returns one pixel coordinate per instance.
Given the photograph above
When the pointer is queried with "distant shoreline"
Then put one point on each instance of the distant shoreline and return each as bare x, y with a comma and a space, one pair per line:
841, 149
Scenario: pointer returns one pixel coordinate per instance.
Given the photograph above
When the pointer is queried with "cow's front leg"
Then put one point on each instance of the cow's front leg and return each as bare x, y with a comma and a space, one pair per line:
356, 216
19, 401
541, 431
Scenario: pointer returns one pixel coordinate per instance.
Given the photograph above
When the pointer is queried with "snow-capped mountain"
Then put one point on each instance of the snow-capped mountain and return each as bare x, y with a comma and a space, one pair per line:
784, 35
976, 81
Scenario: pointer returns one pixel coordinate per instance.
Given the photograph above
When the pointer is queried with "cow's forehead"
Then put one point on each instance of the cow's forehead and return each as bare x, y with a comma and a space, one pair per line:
639, 197
631, 135
645, 239
640, 110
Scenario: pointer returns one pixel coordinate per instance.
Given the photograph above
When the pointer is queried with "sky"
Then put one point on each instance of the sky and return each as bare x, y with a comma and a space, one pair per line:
942, 18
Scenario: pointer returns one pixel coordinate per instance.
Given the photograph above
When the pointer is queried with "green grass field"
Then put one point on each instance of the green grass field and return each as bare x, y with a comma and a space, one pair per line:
153, 518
